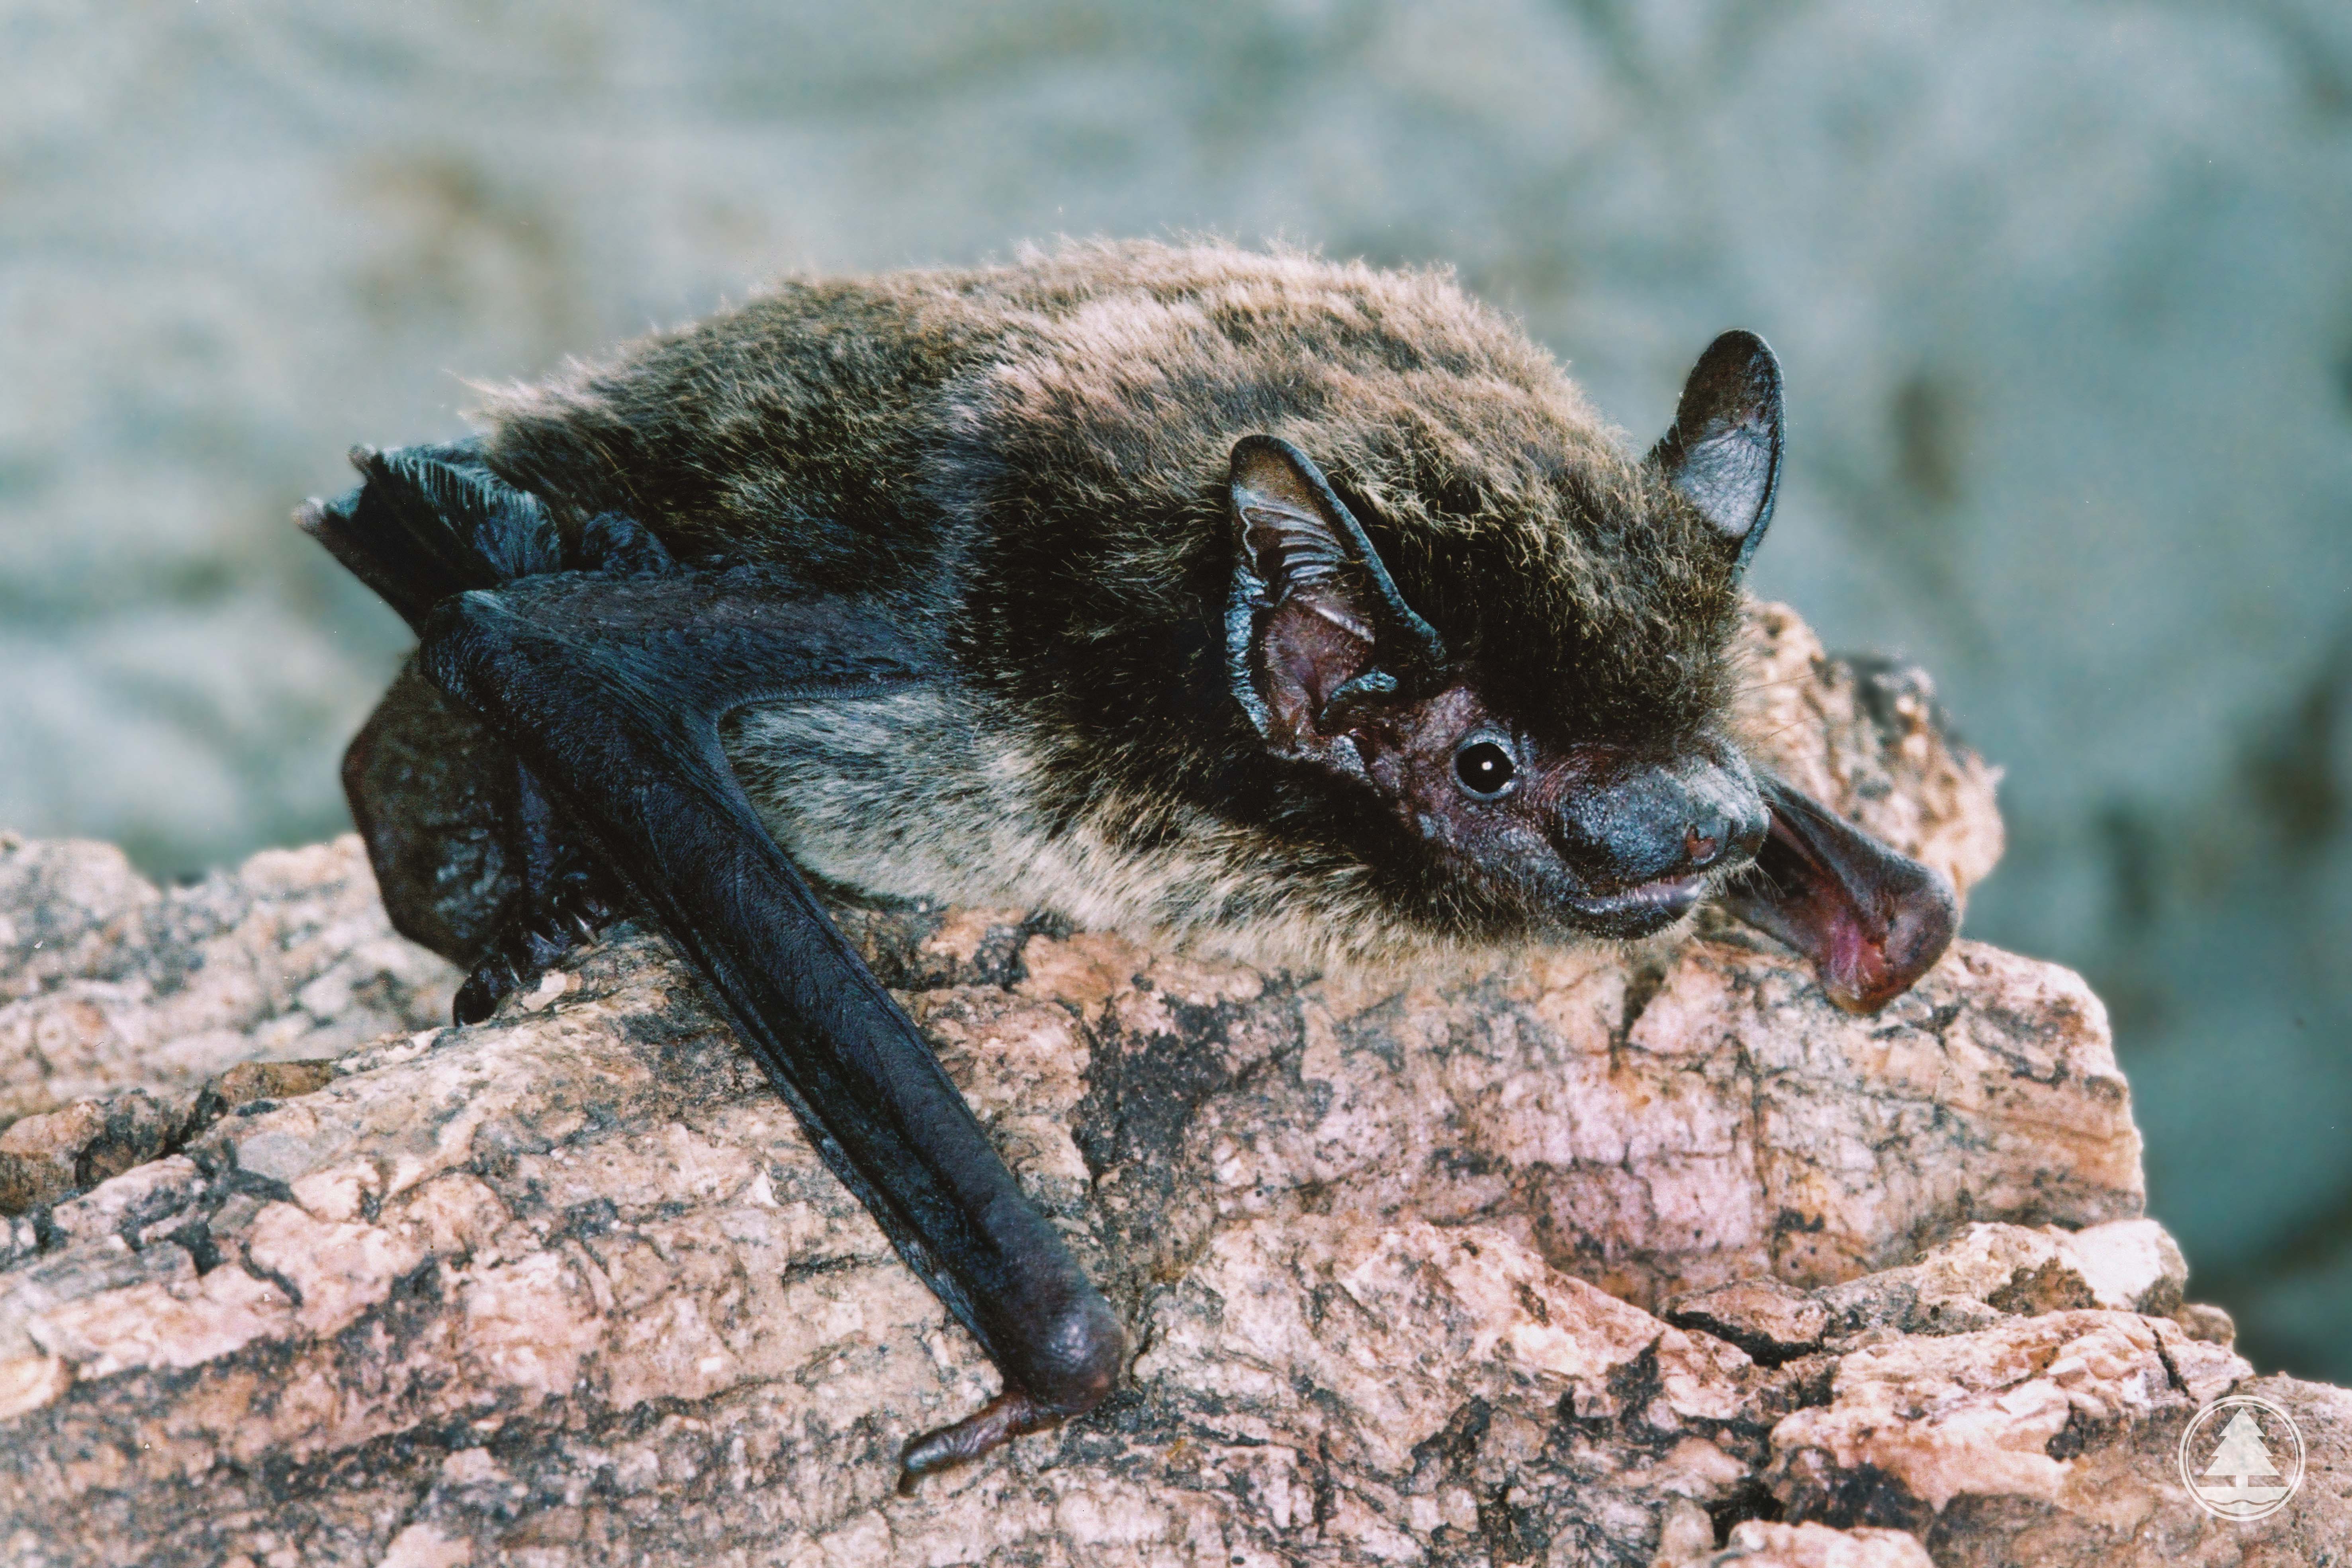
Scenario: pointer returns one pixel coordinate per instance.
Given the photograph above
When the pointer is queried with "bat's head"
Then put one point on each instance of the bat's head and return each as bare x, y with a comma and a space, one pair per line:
1541, 703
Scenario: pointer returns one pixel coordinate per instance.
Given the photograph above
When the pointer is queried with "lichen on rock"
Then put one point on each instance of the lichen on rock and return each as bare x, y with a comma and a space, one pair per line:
1642, 1258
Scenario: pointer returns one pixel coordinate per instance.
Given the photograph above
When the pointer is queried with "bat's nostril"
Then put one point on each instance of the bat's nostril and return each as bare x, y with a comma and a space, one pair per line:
1703, 844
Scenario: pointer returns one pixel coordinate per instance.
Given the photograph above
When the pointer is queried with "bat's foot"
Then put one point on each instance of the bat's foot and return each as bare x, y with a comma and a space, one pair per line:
1070, 1353
1008, 1415
575, 907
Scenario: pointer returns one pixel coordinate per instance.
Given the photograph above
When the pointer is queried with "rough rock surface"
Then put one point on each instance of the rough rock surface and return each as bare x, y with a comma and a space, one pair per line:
107, 982
1631, 1259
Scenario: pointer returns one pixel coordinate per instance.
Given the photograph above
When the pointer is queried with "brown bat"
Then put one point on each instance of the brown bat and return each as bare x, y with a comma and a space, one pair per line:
1299, 611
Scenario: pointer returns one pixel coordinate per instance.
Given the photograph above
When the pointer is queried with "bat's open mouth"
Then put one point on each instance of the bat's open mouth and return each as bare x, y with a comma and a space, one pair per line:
1640, 909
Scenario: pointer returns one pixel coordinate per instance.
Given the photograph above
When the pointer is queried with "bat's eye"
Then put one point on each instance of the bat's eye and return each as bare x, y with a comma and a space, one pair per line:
1485, 768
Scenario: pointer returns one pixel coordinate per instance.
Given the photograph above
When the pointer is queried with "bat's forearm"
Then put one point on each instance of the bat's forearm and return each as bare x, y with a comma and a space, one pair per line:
611, 692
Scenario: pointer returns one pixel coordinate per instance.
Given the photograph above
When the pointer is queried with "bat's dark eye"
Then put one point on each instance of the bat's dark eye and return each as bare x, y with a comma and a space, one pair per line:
1485, 768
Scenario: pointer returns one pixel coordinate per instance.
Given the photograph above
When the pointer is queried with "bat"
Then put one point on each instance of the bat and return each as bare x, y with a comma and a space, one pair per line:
1300, 612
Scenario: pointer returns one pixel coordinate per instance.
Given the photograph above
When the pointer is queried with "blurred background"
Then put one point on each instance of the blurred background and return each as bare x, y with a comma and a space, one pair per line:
2064, 291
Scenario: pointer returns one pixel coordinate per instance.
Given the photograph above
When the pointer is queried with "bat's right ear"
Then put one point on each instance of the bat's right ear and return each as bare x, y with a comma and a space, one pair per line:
1724, 451
1315, 625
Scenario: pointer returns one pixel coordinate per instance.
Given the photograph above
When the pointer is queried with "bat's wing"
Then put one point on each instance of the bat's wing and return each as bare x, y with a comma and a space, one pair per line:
604, 691
469, 853
1872, 920
610, 689
431, 522
441, 807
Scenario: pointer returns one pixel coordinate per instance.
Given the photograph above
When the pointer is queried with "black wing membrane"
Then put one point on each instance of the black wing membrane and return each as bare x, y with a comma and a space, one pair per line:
609, 687
469, 855
431, 522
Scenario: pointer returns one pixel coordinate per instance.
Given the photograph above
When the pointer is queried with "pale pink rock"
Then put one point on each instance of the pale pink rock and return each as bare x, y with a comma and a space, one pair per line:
1756, 1544
569, 1287
108, 982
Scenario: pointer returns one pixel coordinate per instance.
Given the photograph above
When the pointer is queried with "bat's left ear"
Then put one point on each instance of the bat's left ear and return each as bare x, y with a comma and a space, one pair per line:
1724, 451
1314, 629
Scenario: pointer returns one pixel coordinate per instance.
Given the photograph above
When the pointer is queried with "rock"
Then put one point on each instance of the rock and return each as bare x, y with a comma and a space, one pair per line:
1756, 1544
1991, 1270
2201, 1321
1868, 733
570, 1286
2130, 1264
2051, 1439
43, 1158
107, 982
1770, 1321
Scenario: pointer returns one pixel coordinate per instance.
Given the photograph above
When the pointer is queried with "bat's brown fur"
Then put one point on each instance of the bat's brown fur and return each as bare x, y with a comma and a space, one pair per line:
1031, 460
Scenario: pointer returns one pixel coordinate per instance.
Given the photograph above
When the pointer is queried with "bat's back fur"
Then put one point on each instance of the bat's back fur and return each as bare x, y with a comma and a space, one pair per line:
1030, 463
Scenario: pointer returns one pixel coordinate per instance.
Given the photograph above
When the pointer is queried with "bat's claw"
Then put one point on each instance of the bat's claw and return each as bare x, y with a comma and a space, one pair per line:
1010, 1415
574, 910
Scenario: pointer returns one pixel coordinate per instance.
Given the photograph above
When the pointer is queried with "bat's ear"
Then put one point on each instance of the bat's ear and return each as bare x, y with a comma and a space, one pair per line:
1316, 625
1724, 451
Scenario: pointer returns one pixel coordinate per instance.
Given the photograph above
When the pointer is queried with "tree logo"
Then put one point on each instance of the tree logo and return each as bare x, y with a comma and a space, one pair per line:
2242, 1458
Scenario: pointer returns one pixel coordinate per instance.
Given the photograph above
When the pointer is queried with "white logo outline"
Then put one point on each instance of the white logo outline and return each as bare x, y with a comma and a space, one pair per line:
2239, 1502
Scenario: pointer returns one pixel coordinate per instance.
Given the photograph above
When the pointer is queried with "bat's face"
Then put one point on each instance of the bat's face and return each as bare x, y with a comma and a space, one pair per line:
1572, 827
1590, 837
1584, 784
1577, 832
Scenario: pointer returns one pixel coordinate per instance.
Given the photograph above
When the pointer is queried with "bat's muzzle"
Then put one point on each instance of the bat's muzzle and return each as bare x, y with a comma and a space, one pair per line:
1653, 824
